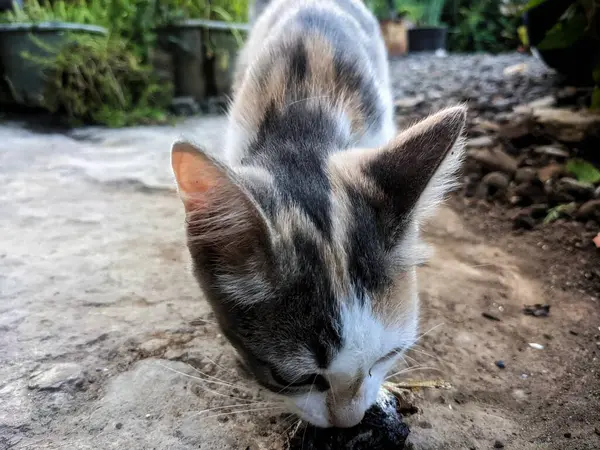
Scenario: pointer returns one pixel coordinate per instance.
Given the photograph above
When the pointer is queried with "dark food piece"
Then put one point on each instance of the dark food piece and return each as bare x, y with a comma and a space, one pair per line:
381, 429
537, 310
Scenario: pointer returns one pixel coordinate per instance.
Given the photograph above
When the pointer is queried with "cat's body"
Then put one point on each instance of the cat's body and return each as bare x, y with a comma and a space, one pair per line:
305, 240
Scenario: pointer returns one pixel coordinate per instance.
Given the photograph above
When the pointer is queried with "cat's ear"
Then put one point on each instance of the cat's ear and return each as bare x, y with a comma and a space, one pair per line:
408, 177
224, 223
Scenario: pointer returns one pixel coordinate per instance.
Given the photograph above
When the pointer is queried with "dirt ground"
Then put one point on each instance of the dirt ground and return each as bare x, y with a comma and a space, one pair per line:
106, 343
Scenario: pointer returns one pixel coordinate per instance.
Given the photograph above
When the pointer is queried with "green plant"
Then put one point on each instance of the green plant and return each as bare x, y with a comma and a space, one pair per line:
583, 171
100, 79
580, 21
482, 26
432, 12
563, 210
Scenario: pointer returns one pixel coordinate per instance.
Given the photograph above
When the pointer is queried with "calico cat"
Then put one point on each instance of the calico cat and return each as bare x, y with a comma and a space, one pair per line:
305, 238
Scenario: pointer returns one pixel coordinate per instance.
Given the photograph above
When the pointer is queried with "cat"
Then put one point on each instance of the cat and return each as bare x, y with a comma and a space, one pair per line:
305, 236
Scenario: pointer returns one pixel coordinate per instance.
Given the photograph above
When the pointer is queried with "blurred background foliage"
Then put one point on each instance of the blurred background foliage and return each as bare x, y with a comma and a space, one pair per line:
119, 87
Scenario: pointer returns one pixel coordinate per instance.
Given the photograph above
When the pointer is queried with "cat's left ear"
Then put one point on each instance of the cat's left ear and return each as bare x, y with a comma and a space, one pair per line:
408, 177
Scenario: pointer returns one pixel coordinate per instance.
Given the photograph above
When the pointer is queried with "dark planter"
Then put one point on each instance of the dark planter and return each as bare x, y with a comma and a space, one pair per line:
427, 39
576, 62
23, 80
203, 54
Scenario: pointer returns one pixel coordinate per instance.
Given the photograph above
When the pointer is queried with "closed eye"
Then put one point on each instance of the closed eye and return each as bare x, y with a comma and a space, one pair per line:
312, 379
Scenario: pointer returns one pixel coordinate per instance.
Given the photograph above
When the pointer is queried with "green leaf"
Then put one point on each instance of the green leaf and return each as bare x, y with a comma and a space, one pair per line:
559, 211
583, 171
595, 106
564, 34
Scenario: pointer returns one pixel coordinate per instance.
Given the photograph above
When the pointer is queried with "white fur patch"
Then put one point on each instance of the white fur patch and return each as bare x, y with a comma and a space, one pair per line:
366, 340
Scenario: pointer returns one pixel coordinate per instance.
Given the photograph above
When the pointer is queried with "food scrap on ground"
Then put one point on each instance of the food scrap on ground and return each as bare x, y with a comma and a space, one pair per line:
537, 310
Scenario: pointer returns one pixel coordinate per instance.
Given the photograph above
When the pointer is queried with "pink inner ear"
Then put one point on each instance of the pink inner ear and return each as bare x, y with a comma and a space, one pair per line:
195, 174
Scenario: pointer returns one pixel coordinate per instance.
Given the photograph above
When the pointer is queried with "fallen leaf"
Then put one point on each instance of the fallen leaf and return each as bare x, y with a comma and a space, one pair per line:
564, 210
583, 171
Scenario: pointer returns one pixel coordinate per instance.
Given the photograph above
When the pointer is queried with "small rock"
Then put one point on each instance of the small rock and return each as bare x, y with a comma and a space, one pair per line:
590, 210
528, 193
494, 183
153, 345
513, 70
479, 142
567, 125
536, 346
525, 174
490, 317
495, 160
498, 444
118, 425
523, 220
175, 353
500, 364
537, 310
551, 150
409, 102
571, 188
543, 102
549, 172
483, 125
568, 435
57, 377
518, 133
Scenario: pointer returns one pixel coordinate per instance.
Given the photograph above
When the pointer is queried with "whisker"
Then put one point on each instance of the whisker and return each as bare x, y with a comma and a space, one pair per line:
219, 366
427, 332
216, 382
411, 369
418, 349
208, 389
245, 411
245, 405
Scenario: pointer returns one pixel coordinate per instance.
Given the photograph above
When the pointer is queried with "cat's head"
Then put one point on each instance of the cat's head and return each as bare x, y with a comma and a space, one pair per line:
320, 311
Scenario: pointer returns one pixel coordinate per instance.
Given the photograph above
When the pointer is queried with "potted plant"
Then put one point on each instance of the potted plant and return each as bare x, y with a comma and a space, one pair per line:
203, 49
429, 34
566, 36
392, 26
32, 32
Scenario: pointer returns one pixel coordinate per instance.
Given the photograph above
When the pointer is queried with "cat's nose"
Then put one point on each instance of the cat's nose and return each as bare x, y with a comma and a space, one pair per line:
347, 416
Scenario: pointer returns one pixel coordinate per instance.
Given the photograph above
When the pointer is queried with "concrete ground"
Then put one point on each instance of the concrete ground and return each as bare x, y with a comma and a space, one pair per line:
106, 342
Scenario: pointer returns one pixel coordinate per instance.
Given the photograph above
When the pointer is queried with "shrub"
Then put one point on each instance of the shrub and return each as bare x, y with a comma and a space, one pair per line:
99, 79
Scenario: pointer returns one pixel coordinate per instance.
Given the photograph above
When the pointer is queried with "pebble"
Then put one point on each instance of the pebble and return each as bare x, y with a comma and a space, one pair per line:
572, 187
479, 142
500, 364
118, 425
589, 210
525, 174
536, 346
57, 377
494, 160
552, 150
549, 172
153, 345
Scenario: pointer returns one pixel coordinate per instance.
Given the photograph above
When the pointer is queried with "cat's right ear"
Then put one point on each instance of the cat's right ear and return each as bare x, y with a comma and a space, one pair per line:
222, 217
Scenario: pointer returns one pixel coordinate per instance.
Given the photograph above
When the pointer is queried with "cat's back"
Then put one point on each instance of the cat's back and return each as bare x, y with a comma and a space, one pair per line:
311, 49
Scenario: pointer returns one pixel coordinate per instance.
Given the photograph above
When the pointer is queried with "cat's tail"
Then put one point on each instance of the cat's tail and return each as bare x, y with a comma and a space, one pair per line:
256, 8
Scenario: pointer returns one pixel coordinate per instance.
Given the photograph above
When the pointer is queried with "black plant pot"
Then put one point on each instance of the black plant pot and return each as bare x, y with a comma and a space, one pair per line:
427, 39
577, 62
